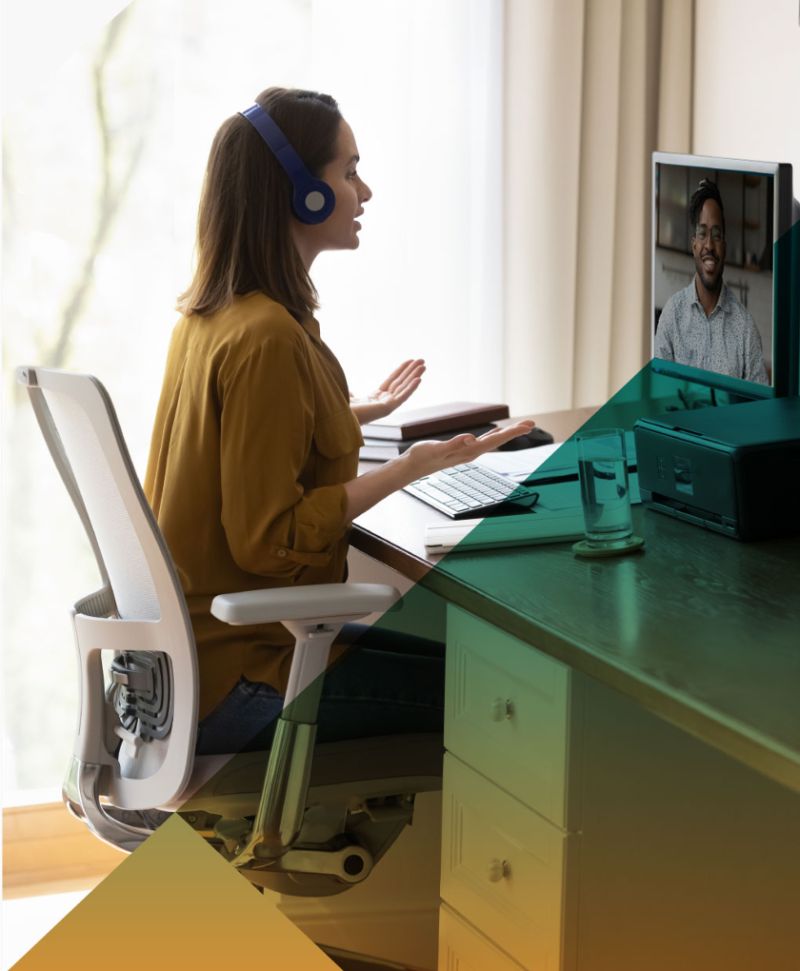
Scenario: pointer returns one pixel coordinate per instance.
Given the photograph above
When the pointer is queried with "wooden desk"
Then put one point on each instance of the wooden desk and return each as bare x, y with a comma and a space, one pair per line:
732, 677
700, 631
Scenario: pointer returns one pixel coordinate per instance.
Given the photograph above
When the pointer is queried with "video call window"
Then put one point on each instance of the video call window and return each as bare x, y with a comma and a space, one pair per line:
741, 257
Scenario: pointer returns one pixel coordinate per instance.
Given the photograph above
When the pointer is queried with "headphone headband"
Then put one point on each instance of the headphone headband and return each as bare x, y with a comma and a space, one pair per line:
313, 200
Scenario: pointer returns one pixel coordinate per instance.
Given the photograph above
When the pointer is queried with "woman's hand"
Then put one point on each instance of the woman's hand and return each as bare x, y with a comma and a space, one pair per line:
423, 458
429, 457
396, 389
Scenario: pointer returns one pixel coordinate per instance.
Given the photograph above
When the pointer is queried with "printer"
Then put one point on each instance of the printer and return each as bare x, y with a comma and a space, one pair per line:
734, 469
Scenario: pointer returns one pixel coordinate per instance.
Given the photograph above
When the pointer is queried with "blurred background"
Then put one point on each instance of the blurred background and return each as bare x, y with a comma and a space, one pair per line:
507, 143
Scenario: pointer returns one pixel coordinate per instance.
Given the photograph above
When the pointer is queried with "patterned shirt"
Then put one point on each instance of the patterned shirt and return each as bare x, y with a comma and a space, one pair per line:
727, 341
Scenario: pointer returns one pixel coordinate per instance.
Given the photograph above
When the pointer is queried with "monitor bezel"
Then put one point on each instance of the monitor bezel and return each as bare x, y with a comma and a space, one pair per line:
784, 367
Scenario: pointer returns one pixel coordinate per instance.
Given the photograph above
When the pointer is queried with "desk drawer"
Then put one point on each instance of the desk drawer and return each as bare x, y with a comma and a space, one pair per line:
515, 715
508, 871
462, 948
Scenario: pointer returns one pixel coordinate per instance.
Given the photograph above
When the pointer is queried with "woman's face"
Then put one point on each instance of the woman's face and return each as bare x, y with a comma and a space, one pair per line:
340, 229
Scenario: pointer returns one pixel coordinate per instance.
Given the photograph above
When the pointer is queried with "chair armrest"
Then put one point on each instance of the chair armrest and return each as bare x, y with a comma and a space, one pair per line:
318, 603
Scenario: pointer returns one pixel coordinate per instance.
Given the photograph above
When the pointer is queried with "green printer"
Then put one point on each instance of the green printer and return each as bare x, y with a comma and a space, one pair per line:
735, 469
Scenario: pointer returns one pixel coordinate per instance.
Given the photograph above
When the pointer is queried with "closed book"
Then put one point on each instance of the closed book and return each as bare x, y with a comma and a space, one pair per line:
382, 449
425, 422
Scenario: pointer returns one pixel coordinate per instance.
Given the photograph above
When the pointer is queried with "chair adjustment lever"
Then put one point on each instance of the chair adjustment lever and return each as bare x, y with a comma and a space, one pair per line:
350, 864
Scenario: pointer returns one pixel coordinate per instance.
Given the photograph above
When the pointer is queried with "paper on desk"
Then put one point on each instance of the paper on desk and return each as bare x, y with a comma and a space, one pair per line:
521, 464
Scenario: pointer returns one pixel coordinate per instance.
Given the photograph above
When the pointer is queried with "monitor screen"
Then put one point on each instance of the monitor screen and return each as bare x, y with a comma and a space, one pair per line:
716, 307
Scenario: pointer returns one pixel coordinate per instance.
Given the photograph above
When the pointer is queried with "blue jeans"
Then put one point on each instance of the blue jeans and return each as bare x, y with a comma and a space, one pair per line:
385, 684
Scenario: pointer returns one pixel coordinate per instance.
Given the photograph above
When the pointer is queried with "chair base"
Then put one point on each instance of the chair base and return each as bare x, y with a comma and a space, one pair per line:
360, 798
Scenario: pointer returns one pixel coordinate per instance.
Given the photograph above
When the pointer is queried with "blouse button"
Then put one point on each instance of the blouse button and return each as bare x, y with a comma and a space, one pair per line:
281, 552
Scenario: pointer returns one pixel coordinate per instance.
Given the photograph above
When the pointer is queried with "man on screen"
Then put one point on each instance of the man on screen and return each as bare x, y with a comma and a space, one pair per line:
704, 325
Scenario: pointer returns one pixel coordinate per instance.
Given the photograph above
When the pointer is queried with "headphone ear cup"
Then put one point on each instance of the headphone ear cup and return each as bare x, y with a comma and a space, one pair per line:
313, 201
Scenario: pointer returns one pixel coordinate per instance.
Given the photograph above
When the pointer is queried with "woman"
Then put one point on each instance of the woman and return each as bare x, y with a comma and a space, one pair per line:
253, 463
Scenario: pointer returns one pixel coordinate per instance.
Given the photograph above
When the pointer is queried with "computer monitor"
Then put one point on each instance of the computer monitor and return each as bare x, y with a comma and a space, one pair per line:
721, 281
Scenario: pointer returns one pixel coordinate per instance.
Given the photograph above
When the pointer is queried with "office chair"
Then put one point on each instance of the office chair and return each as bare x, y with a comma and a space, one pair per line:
297, 819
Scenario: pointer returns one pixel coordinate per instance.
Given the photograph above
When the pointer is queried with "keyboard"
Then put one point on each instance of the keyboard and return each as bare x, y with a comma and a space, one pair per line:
471, 491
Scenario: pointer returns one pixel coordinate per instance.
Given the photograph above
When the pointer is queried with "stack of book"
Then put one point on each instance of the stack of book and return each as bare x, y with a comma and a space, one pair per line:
389, 437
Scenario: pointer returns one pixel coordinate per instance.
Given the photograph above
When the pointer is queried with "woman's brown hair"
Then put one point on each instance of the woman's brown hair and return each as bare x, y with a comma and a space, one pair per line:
244, 242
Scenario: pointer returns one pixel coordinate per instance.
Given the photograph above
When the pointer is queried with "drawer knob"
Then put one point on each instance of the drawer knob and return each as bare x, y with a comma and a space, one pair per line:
497, 870
502, 708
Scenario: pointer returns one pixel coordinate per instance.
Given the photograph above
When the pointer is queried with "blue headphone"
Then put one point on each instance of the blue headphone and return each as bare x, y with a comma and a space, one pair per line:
313, 199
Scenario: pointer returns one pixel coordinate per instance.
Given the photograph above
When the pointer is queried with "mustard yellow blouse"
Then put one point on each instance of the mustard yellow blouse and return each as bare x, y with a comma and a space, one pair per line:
253, 439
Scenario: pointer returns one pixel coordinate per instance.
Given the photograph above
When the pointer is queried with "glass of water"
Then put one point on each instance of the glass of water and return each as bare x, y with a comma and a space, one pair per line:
605, 493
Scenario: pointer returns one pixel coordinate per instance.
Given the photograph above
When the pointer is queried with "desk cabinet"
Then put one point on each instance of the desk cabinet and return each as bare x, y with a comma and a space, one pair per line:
689, 859
507, 870
583, 833
511, 801
516, 716
629, 678
462, 948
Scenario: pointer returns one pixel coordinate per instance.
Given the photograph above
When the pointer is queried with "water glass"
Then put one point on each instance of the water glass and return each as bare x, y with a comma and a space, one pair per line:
605, 492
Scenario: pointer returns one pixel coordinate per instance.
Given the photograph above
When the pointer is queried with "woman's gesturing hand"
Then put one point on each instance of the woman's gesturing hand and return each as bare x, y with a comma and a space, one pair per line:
425, 458
396, 389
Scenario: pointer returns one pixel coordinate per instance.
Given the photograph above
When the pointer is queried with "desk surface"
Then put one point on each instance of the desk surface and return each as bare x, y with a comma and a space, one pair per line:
697, 628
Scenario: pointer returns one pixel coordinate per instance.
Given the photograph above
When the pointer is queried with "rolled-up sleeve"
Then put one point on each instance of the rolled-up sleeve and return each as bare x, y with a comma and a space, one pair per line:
274, 527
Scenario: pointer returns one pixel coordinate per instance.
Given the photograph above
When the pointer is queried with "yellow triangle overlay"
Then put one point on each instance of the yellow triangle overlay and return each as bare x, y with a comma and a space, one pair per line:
175, 903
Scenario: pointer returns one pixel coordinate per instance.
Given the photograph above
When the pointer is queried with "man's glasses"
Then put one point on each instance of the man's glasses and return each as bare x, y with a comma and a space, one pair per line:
717, 235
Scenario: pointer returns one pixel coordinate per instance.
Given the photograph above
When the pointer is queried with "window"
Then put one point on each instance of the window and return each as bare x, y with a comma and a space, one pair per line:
100, 205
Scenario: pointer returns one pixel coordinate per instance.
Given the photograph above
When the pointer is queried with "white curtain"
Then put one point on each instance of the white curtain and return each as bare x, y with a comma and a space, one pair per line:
421, 84
593, 87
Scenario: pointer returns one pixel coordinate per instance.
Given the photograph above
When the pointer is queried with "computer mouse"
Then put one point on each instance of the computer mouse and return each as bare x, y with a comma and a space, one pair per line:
536, 436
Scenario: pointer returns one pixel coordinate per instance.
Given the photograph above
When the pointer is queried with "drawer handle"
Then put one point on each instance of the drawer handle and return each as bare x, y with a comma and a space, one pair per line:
497, 870
502, 709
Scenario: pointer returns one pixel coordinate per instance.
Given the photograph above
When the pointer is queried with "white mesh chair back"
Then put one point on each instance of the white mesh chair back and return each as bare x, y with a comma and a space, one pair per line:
140, 609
